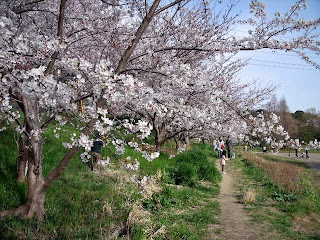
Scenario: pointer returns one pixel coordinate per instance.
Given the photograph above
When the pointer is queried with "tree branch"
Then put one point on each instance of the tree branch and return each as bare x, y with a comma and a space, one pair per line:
145, 23
169, 5
59, 34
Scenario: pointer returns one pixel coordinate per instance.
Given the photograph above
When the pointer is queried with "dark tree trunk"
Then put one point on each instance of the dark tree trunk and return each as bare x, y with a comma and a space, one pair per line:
34, 207
158, 144
160, 138
177, 141
187, 141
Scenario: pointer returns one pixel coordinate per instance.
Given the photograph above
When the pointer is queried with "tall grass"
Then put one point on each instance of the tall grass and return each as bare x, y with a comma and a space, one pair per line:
285, 192
288, 176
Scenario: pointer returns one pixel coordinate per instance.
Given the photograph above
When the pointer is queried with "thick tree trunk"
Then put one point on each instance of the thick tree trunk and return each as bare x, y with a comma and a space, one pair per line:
21, 166
36, 191
160, 138
36, 195
158, 146
34, 207
187, 140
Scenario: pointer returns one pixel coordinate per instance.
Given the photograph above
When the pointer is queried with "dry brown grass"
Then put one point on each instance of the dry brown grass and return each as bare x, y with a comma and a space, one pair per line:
249, 196
284, 174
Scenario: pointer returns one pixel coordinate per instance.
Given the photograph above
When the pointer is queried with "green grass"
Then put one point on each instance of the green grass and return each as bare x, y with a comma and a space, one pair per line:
84, 205
279, 207
74, 203
184, 212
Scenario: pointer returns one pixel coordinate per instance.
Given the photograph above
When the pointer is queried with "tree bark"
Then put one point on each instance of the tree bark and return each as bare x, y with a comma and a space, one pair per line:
177, 141
36, 191
36, 194
160, 137
23, 159
34, 207
187, 140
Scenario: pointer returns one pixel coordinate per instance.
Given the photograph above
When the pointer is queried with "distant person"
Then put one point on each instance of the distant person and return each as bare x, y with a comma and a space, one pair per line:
302, 155
246, 148
229, 146
214, 144
264, 149
221, 142
297, 150
307, 153
96, 152
218, 149
223, 161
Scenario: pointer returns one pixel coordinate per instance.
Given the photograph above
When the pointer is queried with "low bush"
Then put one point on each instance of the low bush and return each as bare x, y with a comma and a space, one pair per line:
192, 166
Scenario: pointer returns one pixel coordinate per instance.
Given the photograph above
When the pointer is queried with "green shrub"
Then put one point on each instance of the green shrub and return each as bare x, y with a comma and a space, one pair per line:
192, 166
184, 174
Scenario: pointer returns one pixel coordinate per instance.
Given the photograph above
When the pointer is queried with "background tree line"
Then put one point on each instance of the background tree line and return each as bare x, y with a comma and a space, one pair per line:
302, 125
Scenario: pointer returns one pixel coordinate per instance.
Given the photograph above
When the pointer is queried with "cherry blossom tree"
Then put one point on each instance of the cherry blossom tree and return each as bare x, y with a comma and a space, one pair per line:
118, 55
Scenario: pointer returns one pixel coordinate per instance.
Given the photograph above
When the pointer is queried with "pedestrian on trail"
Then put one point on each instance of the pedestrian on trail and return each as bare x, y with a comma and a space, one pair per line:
264, 150
229, 146
223, 161
297, 150
218, 149
307, 153
221, 142
96, 151
302, 154
214, 144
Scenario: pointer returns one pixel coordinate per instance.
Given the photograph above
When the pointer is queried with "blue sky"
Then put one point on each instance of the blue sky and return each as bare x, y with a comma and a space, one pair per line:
297, 81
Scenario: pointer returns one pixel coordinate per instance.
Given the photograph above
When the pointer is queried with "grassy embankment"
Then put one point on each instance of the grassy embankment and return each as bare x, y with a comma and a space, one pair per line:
108, 204
282, 193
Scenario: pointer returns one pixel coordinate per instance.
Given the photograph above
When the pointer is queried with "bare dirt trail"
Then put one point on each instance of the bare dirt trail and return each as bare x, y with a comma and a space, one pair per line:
235, 222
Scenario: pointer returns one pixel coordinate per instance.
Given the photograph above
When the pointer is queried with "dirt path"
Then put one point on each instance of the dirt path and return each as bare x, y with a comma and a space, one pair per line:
235, 223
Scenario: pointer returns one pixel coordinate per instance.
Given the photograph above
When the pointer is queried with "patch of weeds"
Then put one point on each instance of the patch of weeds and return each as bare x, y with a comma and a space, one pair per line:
300, 198
183, 211
283, 196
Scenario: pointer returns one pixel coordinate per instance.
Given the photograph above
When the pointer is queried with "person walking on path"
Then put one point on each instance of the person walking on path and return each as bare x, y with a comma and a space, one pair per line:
229, 146
307, 152
223, 161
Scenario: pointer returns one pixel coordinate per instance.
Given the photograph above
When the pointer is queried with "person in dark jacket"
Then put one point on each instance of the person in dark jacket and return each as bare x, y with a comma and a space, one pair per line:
229, 147
96, 151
